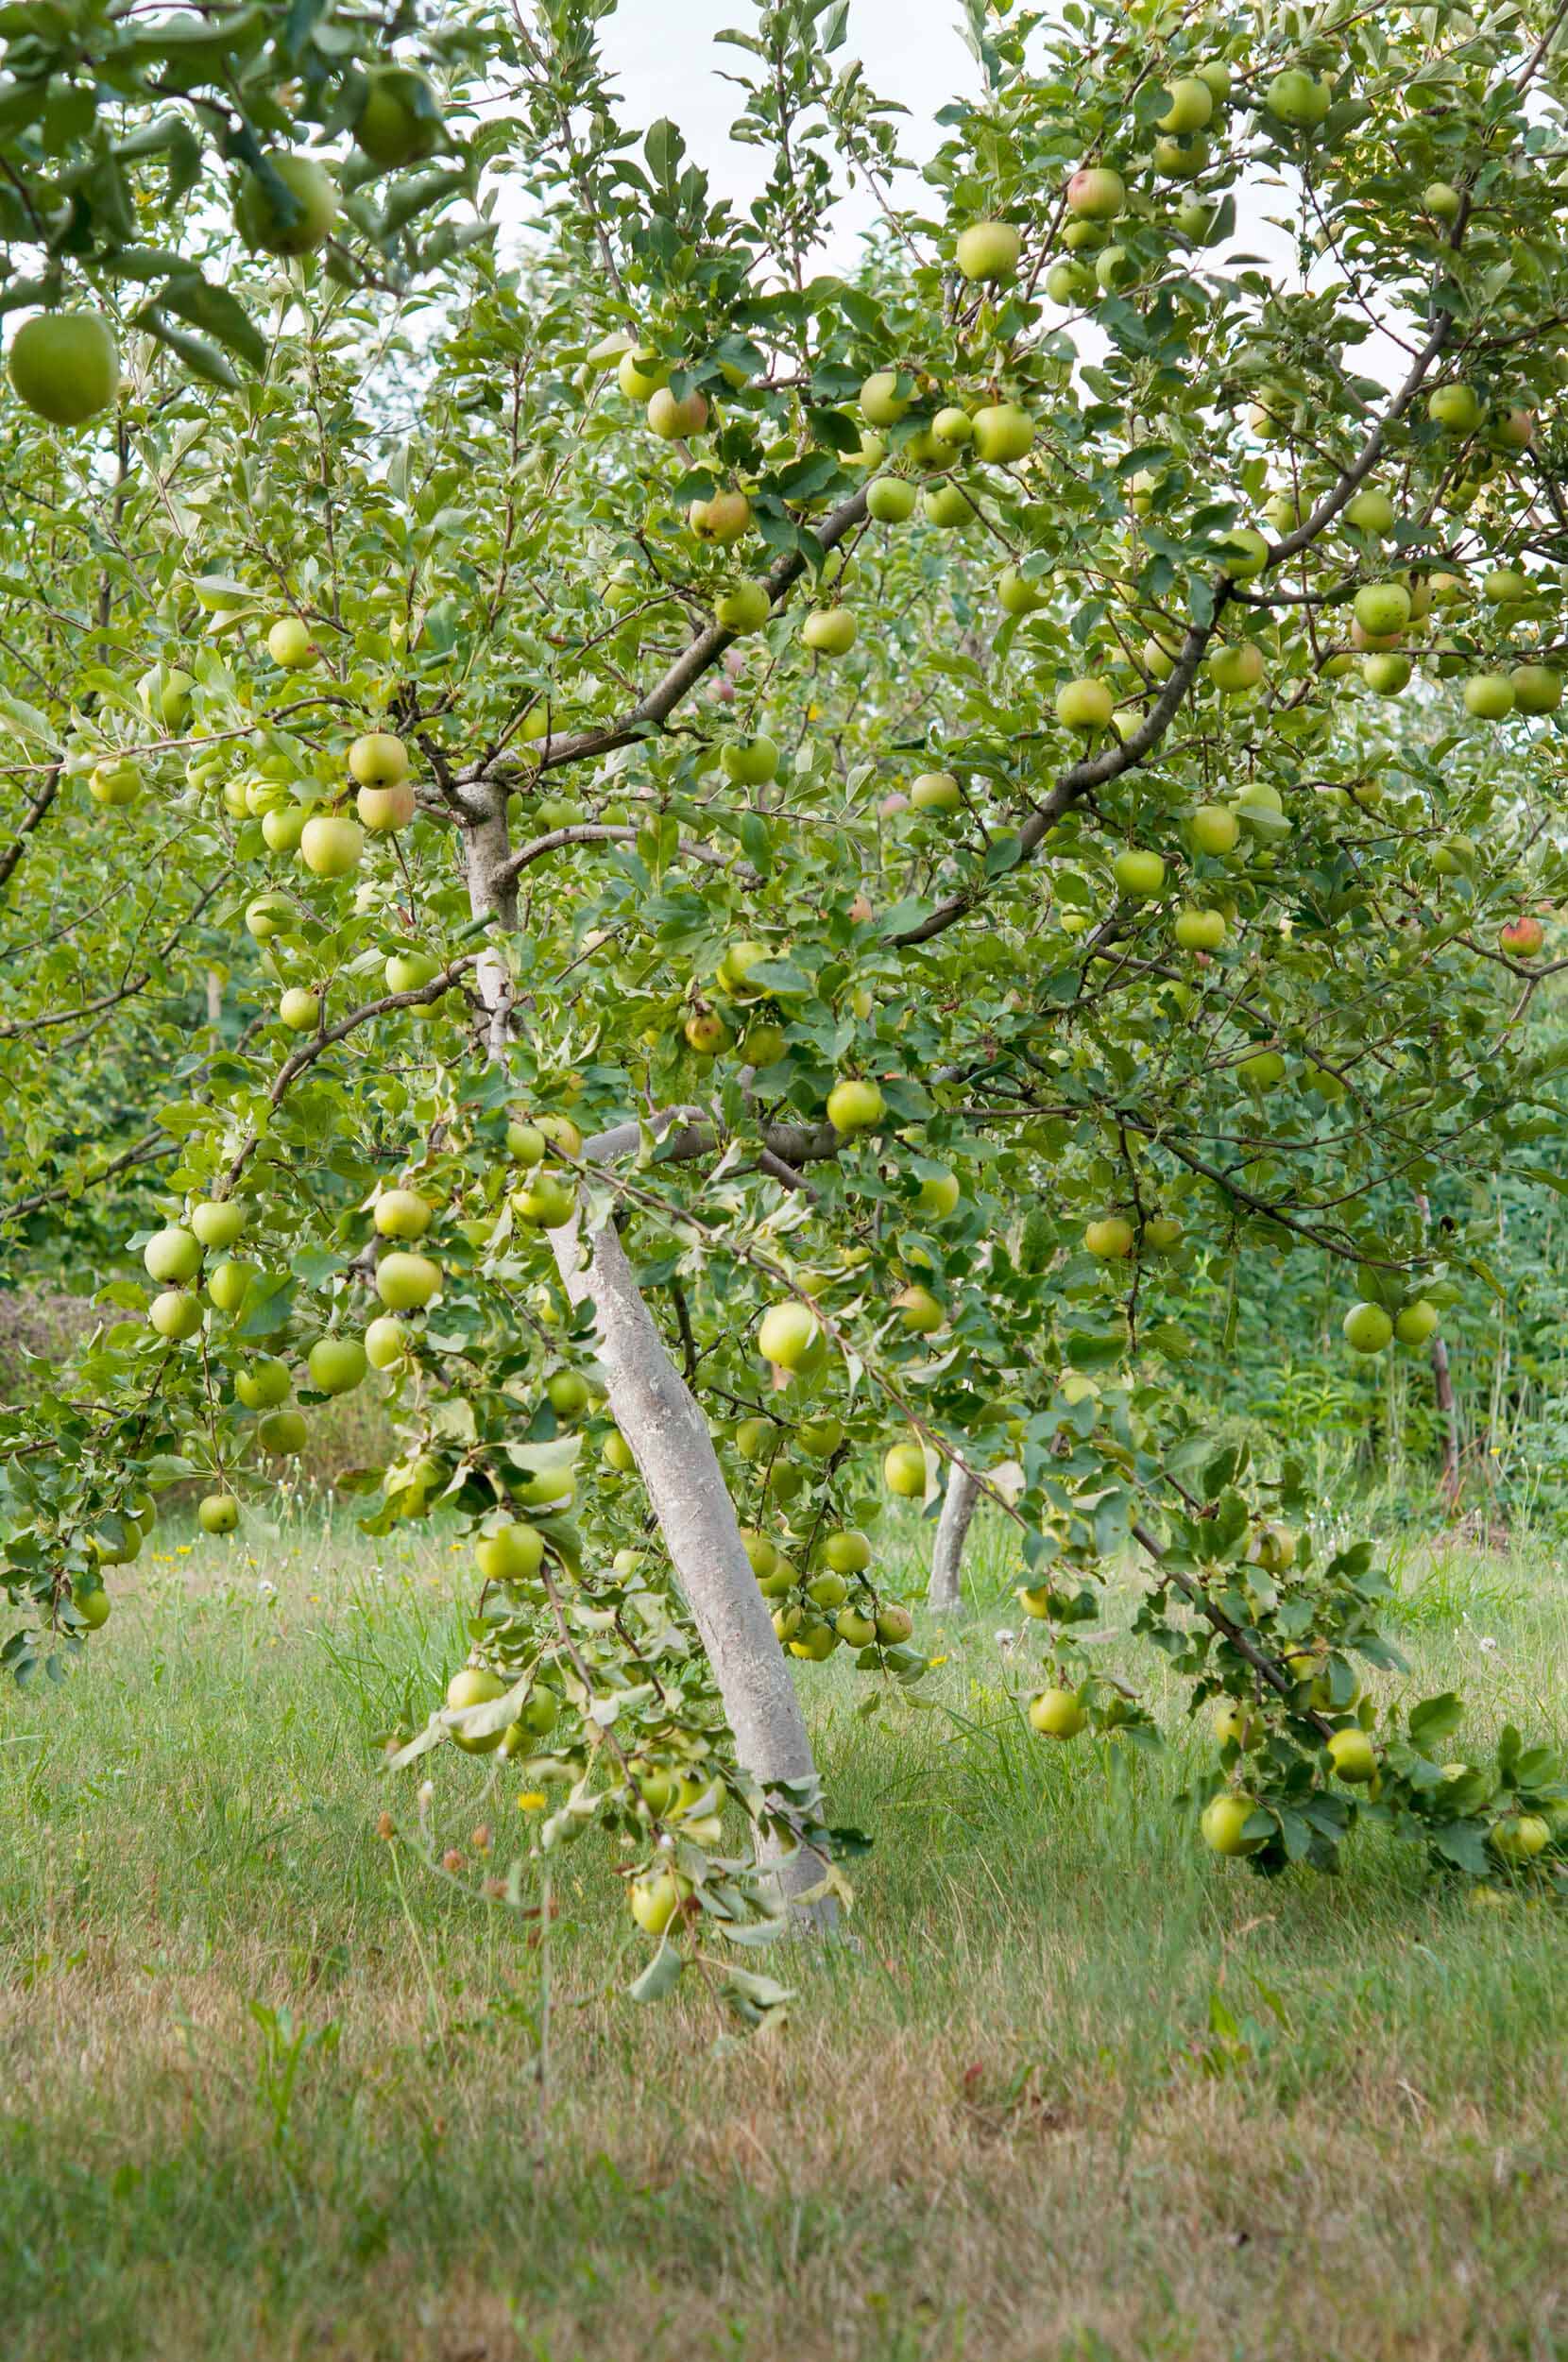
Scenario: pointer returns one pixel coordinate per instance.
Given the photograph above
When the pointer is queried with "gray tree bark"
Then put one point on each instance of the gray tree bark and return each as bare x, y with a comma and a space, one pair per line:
945, 1591
663, 1423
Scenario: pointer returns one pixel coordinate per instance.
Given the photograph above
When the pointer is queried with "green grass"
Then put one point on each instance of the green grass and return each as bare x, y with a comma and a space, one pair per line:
273, 2089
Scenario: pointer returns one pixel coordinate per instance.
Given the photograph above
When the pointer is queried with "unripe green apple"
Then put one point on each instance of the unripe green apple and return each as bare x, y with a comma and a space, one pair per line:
721, 520
475, 1685
1489, 696
377, 758
939, 1194
1415, 1323
854, 1629
513, 1553
1456, 407
331, 844
988, 252
1441, 200
336, 1364
1139, 875
656, 1898
1298, 99
385, 1343
1223, 1820
1521, 1835
1370, 512
1215, 829
848, 1551
299, 227
1387, 674
1115, 268
904, 1470
1353, 1755
743, 609
402, 1214
617, 1454
953, 426
919, 1310
948, 506
1245, 553
1262, 1070
114, 784
894, 1624
891, 500
1200, 929
1003, 432
1180, 159
765, 1045
172, 1255
1191, 106
399, 123
406, 1283
1070, 283
828, 630
1535, 688
1057, 1714
881, 403
299, 1010
1109, 1239
1505, 585
1019, 595
935, 791
641, 373
229, 1284
567, 1394
1236, 669
1367, 1329
1085, 705
284, 828
855, 1106
283, 1433
410, 971
672, 416
219, 1512
546, 1202
787, 1334
1382, 608
290, 645
175, 1316
263, 1385
384, 809
1095, 192
64, 367
751, 761
1235, 1725
705, 1032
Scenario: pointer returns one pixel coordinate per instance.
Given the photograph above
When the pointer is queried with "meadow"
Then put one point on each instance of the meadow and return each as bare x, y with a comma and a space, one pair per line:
274, 2086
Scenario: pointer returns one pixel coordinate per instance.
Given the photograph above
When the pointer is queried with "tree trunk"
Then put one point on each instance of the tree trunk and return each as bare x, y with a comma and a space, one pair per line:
1443, 1380
662, 1422
945, 1591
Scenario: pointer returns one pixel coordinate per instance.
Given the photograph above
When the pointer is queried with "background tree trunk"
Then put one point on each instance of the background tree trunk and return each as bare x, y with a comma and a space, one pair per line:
945, 1591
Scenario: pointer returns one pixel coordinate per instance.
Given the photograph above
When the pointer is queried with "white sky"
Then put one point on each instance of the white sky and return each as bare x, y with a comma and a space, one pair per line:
669, 63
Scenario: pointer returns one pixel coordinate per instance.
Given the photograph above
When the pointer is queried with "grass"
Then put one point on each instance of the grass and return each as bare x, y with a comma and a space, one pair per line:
271, 2090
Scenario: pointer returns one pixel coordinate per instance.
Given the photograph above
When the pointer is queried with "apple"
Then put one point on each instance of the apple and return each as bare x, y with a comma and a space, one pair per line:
641, 373
1441, 200
1003, 432
828, 630
1180, 159
1018, 594
1139, 875
1489, 696
567, 1394
475, 1685
410, 971
1085, 705
854, 1629
1535, 688
92, 1606
402, 1214
617, 1454
172, 1257
1367, 1329
819, 1437
891, 500
1195, 221
304, 221
1236, 669
953, 426
219, 1221
855, 1106
1505, 585
672, 416
904, 1470
64, 367
1191, 106
1520, 1836
175, 1316
283, 1433
1214, 829
1353, 1756
336, 1364
219, 1512
881, 403
1382, 608
114, 784
893, 1624
1069, 283
786, 1336
935, 791
744, 607
760, 1554
657, 1898
1245, 553
290, 645
547, 1202
1456, 407
949, 505
1224, 1820
1524, 935
939, 1194
385, 1343
721, 519
1200, 929
299, 1010
263, 1385
1057, 1714
512, 1552
919, 1310
1109, 1238
705, 1032
406, 1283
270, 915
382, 809
988, 252
399, 122
1298, 99
229, 1284
751, 761
1262, 1069
331, 844
1387, 674
377, 758
1095, 192
847, 1550
765, 1045
1370, 512
1235, 1725
1116, 268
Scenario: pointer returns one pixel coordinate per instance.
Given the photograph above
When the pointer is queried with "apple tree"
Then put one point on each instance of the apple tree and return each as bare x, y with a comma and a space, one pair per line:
795, 860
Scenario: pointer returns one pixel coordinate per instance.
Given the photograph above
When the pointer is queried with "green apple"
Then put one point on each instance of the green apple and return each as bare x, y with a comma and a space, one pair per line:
406, 1283
1223, 1824
1367, 1329
1489, 696
1214, 829
1298, 99
1536, 688
475, 1685
672, 416
1456, 407
935, 791
881, 403
641, 373
299, 1010
848, 1551
399, 122
787, 1335
1200, 929
743, 609
383, 809
512, 1552
1382, 608
1085, 705
283, 1433
1095, 192
1139, 875
64, 367
290, 645
172, 1255
331, 844
948, 506
263, 1385
336, 1364
894, 1624
1109, 1238
229, 1284
751, 761
828, 630
219, 1221
891, 500
1004, 432
303, 219
855, 1106
988, 252
385, 1342
1057, 1714
1236, 668
939, 1194
1262, 1069
377, 758
1387, 674
904, 1470
219, 1512
175, 1316
1415, 1323
402, 1214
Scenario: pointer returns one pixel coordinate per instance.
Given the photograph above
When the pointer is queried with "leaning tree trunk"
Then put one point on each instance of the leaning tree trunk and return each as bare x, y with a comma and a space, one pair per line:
662, 1422
945, 1591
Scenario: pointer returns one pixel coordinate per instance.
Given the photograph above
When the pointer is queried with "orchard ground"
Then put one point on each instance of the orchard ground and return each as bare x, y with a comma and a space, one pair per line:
273, 2088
